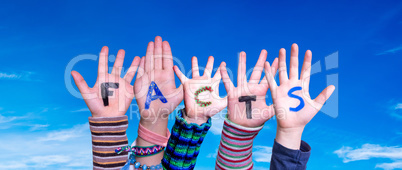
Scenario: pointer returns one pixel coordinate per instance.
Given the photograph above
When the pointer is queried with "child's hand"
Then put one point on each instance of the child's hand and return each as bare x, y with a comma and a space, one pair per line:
293, 106
201, 93
157, 67
112, 95
245, 93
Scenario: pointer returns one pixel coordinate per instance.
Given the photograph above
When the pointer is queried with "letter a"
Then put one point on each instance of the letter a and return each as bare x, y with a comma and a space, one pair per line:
158, 95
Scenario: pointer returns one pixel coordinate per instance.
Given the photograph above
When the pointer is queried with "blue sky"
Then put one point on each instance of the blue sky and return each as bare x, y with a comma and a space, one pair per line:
43, 126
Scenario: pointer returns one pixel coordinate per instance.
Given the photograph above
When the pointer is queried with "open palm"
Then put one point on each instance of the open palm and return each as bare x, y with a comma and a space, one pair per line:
294, 107
122, 96
237, 110
157, 66
283, 102
201, 93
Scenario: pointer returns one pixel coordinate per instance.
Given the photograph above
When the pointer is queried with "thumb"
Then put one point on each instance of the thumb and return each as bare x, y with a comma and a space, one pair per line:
80, 82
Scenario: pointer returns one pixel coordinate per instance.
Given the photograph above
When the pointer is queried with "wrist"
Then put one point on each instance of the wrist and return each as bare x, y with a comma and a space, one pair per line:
150, 116
158, 126
289, 137
193, 117
99, 115
195, 120
242, 120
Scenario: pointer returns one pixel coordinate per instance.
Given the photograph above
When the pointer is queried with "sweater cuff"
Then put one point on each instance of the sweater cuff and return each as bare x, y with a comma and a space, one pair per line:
298, 158
184, 143
235, 150
108, 133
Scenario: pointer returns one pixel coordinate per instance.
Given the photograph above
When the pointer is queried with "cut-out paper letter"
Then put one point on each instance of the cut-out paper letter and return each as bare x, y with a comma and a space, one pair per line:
105, 93
158, 95
301, 105
248, 100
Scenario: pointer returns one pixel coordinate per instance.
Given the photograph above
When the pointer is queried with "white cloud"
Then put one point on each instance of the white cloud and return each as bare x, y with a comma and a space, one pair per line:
66, 134
398, 106
391, 51
369, 151
213, 154
4, 119
396, 110
262, 153
47, 160
8, 119
389, 166
81, 110
20, 75
31, 150
38, 127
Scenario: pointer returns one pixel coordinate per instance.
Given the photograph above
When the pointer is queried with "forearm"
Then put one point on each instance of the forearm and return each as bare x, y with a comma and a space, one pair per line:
184, 144
285, 158
108, 134
235, 149
289, 137
159, 127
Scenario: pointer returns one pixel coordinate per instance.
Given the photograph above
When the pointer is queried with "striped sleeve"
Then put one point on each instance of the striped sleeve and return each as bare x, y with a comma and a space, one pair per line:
108, 133
184, 144
236, 146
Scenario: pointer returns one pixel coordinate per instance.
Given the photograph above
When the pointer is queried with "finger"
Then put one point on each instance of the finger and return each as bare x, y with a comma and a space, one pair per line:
306, 70
241, 70
259, 66
194, 69
217, 75
80, 82
274, 68
141, 69
225, 78
158, 52
264, 82
209, 67
167, 56
103, 64
283, 75
322, 98
294, 63
133, 68
118, 63
180, 75
270, 78
324, 95
149, 57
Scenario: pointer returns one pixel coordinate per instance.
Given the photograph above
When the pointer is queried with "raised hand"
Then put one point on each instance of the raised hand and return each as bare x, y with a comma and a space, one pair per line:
111, 95
201, 93
155, 75
248, 93
293, 106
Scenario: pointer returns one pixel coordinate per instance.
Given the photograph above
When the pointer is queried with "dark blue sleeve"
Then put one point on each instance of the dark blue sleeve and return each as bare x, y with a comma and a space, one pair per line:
284, 158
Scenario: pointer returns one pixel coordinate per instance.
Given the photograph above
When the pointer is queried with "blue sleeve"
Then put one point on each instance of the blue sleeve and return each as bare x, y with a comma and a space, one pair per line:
284, 158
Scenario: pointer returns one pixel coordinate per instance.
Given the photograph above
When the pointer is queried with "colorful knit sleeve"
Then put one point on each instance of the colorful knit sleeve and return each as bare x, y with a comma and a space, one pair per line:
184, 144
108, 133
236, 146
285, 158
